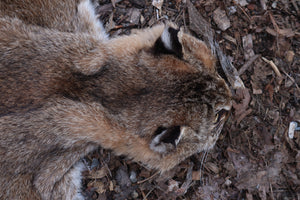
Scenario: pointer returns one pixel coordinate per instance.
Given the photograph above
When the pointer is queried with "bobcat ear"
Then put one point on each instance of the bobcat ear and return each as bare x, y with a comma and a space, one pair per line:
168, 42
196, 50
166, 139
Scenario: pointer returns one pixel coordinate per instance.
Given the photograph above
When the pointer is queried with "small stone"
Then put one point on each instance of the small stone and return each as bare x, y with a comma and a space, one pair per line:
142, 19
228, 182
274, 4
241, 2
123, 177
134, 195
133, 176
231, 10
292, 127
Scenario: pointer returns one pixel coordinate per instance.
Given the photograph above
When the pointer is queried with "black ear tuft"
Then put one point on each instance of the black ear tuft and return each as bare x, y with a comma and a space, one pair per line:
168, 43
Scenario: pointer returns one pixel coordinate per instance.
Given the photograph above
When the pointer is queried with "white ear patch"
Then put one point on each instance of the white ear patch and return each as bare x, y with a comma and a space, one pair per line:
86, 12
166, 39
160, 145
156, 144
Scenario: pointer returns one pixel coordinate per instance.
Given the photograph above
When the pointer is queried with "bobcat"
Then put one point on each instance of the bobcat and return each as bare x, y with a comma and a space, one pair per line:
67, 88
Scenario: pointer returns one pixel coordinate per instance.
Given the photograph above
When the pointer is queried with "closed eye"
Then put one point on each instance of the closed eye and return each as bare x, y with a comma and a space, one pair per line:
221, 114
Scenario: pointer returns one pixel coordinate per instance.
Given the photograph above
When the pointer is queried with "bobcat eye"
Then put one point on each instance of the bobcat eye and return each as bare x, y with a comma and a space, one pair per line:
216, 118
220, 115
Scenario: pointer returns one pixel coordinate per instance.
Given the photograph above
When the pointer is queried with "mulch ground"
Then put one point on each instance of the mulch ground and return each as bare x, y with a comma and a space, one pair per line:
255, 157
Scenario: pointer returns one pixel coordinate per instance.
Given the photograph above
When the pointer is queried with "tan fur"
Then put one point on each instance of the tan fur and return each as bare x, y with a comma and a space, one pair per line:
66, 89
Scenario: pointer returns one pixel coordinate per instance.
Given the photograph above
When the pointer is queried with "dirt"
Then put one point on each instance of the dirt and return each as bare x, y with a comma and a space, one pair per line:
255, 157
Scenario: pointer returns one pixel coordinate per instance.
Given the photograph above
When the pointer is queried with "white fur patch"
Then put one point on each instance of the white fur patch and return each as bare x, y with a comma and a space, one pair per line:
86, 10
227, 107
182, 132
166, 39
75, 173
158, 146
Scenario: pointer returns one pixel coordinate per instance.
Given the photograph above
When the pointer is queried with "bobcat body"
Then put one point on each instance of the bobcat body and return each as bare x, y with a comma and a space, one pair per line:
67, 88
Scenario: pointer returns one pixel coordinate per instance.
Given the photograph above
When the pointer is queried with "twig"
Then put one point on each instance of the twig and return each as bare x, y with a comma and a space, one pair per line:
123, 26
145, 196
271, 190
142, 181
247, 64
243, 115
274, 67
273, 22
244, 13
292, 79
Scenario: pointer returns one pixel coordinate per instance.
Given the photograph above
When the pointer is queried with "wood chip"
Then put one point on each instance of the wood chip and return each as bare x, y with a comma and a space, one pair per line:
290, 56
135, 15
248, 46
255, 88
230, 39
157, 4
263, 4
212, 167
221, 19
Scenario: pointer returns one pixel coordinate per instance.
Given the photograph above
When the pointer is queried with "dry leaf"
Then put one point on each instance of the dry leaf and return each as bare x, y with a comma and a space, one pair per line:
97, 174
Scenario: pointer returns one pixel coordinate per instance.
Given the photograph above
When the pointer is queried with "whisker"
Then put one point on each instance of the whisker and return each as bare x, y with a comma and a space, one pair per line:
202, 165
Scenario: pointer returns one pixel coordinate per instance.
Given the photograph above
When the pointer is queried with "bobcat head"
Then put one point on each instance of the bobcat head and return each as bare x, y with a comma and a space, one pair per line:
161, 86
